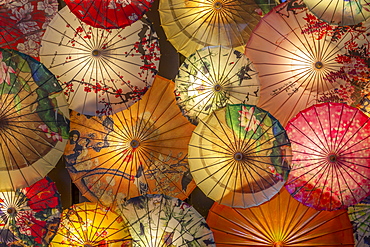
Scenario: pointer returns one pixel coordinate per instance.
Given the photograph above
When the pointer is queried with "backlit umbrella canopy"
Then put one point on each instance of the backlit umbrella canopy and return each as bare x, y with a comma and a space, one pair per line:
29, 216
359, 214
213, 77
192, 25
302, 60
159, 220
101, 71
23, 23
330, 149
34, 123
341, 12
109, 13
282, 221
137, 151
90, 224
239, 156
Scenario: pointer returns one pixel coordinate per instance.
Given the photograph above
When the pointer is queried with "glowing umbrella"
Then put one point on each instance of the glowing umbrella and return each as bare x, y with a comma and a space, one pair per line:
330, 163
192, 25
282, 221
22, 24
90, 224
239, 156
301, 59
341, 12
29, 216
359, 215
159, 220
100, 70
34, 122
213, 77
109, 13
137, 151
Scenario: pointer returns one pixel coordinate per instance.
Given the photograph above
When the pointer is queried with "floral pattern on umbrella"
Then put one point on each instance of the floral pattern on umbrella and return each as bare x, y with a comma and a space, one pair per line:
22, 24
302, 60
240, 156
140, 150
212, 77
359, 214
330, 163
34, 122
30, 216
91, 224
159, 220
101, 71
109, 14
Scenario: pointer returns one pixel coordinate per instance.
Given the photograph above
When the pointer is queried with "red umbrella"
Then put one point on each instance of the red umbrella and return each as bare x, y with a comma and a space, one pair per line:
330, 156
109, 13
22, 24
29, 216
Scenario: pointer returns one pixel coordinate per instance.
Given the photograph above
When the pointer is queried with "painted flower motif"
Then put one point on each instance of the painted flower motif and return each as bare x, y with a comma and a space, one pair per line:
48, 6
133, 17
248, 120
5, 71
50, 134
124, 3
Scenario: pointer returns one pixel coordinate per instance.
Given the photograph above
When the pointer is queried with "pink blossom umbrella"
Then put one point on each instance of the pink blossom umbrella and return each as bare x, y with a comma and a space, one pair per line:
330, 161
109, 13
23, 23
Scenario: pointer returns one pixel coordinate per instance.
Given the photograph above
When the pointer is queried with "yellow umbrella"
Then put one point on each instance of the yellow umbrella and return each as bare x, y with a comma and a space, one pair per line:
140, 150
90, 224
192, 25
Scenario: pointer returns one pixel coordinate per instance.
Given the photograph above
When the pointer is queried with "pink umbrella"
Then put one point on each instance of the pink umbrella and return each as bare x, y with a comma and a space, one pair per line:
330, 163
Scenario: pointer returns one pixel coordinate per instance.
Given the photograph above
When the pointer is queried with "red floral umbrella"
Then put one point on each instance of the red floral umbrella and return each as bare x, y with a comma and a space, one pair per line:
29, 216
109, 13
22, 24
330, 163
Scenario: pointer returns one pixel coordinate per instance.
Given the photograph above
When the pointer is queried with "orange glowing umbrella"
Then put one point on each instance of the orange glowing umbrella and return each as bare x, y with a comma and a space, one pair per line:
140, 150
282, 221
91, 224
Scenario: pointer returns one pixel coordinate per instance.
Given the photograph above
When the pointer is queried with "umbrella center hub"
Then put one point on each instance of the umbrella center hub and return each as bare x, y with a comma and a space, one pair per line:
278, 244
217, 88
134, 143
96, 53
88, 245
11, 211
217, 5
319, 65
238, 156
332, 158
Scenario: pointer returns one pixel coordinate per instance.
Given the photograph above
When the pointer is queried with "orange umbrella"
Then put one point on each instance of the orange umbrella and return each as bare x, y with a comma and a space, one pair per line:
282, 221
140, 150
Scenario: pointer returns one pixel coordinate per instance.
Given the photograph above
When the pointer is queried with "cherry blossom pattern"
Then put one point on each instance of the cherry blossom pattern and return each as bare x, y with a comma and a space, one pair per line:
330, 165
23, 23
102, 71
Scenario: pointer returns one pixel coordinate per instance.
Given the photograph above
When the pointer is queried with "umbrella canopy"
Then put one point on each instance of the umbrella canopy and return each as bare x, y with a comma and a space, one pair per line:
100, 70
22, 24
341, 12
159, 220
239, 156
91, 224
109, 13
140, 150
29, 216
359, 215
34, 123
282, 221
302, 60
192, 25
213, 77
330, 163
